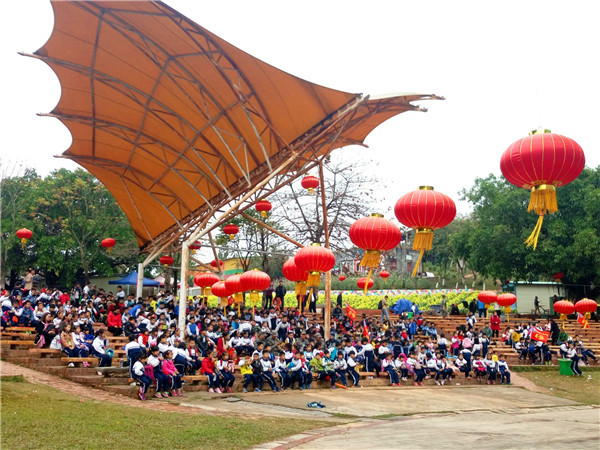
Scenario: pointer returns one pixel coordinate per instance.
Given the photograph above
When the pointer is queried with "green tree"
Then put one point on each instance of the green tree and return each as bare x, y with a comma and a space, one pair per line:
69, 213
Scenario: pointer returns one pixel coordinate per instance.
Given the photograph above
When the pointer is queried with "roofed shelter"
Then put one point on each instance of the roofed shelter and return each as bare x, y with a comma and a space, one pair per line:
183, 128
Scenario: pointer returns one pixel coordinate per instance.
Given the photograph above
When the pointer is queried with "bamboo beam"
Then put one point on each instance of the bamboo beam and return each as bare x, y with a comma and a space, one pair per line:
214, 250
327, 311
272, 230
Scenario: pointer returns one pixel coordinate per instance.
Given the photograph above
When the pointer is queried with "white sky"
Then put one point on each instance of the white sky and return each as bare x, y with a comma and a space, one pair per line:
505, 68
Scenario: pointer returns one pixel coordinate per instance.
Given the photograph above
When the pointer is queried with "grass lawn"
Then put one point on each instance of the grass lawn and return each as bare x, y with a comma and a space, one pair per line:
580, 389
36, 416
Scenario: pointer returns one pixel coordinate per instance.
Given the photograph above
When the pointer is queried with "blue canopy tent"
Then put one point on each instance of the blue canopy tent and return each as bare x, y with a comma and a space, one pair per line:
131, 280
403, 305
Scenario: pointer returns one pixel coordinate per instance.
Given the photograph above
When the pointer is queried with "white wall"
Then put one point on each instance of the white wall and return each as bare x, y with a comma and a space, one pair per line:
526, 292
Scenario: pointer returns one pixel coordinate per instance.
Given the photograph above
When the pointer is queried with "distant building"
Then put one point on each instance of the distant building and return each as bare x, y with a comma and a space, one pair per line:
527, 291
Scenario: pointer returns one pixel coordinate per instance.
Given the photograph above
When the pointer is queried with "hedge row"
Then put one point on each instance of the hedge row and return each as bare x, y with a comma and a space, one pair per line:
423, 301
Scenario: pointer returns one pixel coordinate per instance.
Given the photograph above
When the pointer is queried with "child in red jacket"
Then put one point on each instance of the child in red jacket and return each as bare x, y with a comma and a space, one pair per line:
209, 369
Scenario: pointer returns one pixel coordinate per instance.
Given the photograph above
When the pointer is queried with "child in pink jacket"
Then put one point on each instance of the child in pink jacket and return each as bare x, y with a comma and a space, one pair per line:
168, 368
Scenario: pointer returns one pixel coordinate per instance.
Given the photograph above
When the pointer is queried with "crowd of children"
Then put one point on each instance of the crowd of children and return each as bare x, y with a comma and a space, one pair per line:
283, 349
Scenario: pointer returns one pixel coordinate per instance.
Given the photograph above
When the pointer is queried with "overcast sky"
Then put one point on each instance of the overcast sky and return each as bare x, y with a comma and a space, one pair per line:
505, 68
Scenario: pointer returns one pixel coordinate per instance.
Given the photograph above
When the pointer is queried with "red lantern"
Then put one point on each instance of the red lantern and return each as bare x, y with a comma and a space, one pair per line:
234, 284
558, 276
364, 283
506, 301
487, 297
310, 183
314, 259
342, 277
221, 290
291, 272
424, 210
564, 308
166, 260
384, 274
541, 162
195, 246
374, 234
108, 244
214, 263
263, 207
231, 229
24, 234
255, 281
586, 306
205, 280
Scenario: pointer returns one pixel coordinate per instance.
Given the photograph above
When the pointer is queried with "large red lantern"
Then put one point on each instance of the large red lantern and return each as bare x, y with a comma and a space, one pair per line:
255, 281
374, 234
231, 229
108, 244
541, 162
487, 297
263, 207
310, 183
291, 272
424, 210
166, 260
586, 307
234, 284
221, 290
205, 280
364, 283
564, 308
24, 234
506, 301
314, 259
195, 246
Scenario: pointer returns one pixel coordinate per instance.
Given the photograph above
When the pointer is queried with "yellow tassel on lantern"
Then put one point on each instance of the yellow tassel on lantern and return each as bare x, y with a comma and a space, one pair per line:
232, 236
542, 202
423, 241
263, 214
24, 241
238, 297
224, 302
314, 278
311, 191
371, 258
507, 312
300, 288
366, 288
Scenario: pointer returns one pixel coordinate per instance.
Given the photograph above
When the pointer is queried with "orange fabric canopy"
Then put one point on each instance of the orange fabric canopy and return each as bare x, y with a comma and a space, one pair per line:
175, 121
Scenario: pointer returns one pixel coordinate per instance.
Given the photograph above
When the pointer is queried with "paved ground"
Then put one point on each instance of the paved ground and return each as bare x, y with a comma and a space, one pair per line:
567, 426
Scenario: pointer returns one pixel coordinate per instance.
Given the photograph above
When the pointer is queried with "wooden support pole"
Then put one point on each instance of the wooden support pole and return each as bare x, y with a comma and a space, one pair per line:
271, 229
185, 256
327, 311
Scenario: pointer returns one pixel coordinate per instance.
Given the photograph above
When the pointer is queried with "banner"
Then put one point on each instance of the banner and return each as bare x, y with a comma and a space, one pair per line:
582, 320
540, 335
392, 292
350, 312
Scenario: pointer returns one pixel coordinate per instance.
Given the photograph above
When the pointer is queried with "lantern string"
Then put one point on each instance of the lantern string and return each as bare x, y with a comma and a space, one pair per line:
416, 268
535, 234
366, 288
